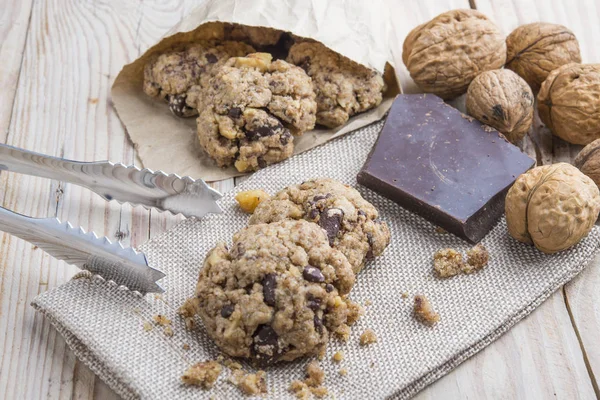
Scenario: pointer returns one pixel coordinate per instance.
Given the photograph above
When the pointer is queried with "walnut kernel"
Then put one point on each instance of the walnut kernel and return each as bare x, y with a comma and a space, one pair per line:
424, 312
248, 200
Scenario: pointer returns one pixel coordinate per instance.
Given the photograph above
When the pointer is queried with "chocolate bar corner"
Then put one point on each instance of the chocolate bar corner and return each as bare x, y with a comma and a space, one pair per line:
443, 165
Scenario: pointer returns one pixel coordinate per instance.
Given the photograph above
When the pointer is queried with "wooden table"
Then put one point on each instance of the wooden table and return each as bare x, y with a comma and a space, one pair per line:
59, 59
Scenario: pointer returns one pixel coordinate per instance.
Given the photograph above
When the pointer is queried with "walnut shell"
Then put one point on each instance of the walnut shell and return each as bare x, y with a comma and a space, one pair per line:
535, 50
588, 161
502, 100
552, 207
445, 54
569, 102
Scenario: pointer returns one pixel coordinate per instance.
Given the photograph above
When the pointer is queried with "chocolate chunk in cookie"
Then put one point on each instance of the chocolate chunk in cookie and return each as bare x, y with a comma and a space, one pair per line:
343, 87
178, 74
249, 109
280, 298
352, 224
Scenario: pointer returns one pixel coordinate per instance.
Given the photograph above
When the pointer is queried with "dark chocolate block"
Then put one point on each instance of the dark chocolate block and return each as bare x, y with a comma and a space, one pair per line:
443, 165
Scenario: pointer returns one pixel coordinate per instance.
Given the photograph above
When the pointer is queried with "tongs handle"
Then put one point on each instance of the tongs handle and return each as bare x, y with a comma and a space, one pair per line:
85, 250
30, 163
125, 184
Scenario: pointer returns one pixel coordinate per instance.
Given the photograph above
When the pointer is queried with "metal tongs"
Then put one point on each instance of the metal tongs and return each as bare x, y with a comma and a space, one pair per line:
125, 184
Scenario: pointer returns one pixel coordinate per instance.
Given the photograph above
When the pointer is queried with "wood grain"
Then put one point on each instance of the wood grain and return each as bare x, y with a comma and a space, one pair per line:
14, 23
62, 107
581, 295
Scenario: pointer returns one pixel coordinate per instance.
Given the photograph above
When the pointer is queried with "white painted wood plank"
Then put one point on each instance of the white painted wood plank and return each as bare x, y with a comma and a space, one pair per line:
539, 358
581, 17
153, 18
63, 108
14, 22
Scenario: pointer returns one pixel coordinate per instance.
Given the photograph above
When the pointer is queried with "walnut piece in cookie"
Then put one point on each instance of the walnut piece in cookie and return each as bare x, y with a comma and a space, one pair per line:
344, 88
249, 110
447, 262
257, 35
352, 223
424, 312
276, 294
203, 374
477, 258
178, 74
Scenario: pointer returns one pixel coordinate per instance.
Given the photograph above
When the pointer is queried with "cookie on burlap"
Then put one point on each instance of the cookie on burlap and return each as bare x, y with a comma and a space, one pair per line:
249, 108
276, 294
178, 74
343, 87
351, 222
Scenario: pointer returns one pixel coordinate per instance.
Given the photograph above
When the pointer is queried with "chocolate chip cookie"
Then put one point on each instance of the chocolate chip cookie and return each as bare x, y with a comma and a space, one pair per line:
178, 75
275, 294
256, 35
344, 88
352, 223
250, 109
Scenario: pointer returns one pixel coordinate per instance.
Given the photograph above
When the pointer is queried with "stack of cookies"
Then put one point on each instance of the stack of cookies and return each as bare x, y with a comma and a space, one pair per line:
249, 105
280, 290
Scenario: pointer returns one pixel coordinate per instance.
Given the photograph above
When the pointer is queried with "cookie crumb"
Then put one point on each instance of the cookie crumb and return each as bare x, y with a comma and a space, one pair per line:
447, 262
250, 384
440, 230
404, 295
232, 365
338, 356
477, 258
299, 389
368, 337
147, 326
343, 333
343, 372
355, 311
319, 391
248, 200
185, 346
424, 312
312, 384
203, 374
189, 323
315, 373
368, 303
168, 331
161, 320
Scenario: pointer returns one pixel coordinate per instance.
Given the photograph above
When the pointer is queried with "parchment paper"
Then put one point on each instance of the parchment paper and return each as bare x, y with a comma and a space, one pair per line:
357, 29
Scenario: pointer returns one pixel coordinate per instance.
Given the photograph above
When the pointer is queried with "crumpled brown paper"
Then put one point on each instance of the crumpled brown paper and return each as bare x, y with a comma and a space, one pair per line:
356, 29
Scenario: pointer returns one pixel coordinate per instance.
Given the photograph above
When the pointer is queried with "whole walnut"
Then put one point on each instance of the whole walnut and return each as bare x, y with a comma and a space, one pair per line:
445, 54
588, 161
502, 100
569, 102
535, 50
552, 207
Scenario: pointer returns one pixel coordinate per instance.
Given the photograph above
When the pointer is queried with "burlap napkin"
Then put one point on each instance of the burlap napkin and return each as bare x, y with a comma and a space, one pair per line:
103, 324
